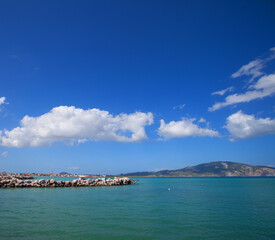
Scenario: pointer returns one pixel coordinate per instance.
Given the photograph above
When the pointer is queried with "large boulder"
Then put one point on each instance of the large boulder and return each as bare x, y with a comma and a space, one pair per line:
52, 181
67, 184
74, 182
42, 181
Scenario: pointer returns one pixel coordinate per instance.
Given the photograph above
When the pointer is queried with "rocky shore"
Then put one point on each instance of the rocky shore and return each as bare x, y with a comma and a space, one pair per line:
24, 177
12, 182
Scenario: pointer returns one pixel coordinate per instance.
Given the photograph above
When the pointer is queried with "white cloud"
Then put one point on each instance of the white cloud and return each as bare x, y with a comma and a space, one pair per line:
254, 68
179, 106
242, 126
2, 100
266, 83
74, 124
82, 140
222, 92
251, 69
183, 128
4, 154
202, 120
264, 87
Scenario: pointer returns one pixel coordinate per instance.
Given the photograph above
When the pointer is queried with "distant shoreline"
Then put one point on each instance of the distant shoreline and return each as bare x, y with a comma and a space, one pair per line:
199, 176
211, 169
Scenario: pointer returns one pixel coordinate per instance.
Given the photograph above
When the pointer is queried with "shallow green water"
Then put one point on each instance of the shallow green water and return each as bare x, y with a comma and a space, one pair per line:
195, 208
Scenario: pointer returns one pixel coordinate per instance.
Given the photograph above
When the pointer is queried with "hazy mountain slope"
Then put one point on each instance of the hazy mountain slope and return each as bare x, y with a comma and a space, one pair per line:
215, 169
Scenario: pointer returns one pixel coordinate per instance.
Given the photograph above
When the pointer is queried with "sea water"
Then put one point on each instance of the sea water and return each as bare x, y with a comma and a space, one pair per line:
154, 208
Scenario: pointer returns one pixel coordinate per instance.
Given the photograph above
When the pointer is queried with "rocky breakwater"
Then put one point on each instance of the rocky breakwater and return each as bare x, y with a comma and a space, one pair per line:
81, 182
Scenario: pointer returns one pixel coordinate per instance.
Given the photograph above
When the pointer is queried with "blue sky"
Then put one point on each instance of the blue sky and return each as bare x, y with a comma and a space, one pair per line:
97, 78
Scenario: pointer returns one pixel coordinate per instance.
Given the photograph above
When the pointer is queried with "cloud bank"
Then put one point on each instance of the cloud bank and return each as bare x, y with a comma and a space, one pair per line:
242, 126
70, 124
184, 128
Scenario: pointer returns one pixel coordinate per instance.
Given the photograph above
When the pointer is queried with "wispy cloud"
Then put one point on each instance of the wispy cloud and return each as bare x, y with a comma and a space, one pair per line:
222, 92
73, 168
254, 68
242, 126
181, 106
263, 87
4, 154
184, 128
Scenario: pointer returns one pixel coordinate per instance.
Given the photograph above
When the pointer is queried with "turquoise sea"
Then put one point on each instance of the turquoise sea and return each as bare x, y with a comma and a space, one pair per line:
194, 208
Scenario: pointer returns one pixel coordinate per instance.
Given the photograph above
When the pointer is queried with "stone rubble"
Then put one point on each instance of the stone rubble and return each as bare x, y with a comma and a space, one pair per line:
12, 182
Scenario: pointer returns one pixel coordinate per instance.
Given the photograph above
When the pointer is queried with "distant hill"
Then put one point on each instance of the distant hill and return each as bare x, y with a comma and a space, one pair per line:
212, 169
63, 173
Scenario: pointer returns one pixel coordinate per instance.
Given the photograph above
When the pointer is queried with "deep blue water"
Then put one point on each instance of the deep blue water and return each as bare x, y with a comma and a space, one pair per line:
194, 208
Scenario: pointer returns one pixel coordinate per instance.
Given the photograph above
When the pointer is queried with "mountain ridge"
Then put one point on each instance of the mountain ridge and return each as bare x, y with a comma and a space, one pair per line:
212, 169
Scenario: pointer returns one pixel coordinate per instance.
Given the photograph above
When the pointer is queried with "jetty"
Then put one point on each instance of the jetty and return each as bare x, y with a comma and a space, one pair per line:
14, 182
